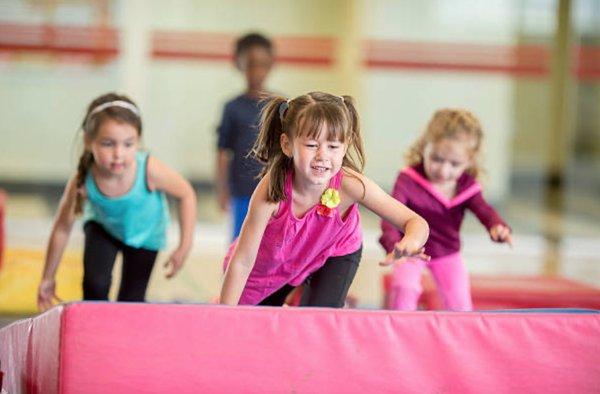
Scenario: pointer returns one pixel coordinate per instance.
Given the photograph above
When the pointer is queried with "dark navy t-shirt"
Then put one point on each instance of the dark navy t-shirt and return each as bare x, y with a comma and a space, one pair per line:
237, 133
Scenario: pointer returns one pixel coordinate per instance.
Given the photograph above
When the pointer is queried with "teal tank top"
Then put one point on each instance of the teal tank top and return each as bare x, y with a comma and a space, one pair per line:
138, 218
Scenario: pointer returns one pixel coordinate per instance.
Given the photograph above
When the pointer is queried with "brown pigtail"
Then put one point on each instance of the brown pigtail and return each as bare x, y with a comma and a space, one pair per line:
267, 148
355, 158
85, 162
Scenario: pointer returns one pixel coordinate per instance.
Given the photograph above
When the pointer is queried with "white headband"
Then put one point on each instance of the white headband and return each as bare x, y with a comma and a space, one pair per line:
116, 103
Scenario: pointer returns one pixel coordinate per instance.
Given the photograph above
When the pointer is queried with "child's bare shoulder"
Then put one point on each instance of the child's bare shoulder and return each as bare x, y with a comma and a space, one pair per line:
353, 184
260, 197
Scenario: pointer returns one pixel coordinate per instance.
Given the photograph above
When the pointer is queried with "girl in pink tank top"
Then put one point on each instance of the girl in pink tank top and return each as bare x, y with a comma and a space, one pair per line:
303, 223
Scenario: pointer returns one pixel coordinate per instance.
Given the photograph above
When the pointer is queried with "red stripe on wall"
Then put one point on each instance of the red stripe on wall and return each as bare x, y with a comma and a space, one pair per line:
91, 42
191, 45
219, 47
70, 40
524, 60
588, 63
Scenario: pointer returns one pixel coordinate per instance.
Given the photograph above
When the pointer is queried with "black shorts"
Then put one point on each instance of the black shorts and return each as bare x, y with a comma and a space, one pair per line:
327, 287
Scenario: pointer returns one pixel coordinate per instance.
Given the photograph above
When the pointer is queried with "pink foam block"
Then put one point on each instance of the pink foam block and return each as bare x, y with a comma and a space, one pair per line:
512, 292
153, 348
29, 351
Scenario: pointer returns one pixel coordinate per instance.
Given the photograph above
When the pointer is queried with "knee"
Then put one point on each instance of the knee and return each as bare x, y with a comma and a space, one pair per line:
407, 283
95, 288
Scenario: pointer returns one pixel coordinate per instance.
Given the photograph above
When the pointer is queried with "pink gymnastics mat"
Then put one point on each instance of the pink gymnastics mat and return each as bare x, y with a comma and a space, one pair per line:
161, 348
513, 292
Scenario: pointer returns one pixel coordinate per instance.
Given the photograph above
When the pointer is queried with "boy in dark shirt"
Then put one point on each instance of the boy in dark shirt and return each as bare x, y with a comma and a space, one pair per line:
236, 172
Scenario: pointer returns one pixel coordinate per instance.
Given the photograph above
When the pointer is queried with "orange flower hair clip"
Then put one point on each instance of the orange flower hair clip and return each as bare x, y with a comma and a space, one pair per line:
329, 200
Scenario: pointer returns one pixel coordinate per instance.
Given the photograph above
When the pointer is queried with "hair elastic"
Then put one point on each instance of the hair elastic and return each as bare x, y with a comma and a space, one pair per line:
282, 108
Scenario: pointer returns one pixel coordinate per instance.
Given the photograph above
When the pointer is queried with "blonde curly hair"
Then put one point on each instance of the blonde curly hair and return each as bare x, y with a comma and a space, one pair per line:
458, 124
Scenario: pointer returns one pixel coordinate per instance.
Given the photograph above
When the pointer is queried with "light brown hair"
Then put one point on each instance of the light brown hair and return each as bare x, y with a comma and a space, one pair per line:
305, 116
458, 124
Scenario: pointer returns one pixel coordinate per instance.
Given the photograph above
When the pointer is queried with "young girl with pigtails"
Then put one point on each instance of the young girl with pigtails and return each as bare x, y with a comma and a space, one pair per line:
440, 184
303, 224
121, 192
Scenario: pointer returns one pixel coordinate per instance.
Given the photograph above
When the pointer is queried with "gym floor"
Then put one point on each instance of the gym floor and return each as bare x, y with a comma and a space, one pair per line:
546, 242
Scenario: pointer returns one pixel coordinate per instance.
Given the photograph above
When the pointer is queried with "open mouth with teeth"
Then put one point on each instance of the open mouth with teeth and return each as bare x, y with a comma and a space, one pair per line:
320, 169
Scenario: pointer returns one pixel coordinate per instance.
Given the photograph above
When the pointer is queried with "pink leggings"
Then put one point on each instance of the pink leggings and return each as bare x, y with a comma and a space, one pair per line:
451, 278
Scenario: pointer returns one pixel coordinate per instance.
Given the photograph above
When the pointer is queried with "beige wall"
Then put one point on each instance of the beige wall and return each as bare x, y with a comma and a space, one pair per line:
180, 100
401, 102
44, 97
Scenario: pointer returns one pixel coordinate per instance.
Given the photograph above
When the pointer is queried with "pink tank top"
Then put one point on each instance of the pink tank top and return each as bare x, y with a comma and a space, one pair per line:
292, 248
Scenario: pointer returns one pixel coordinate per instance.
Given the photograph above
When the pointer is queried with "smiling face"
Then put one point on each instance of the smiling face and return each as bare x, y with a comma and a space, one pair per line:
316, 158
445, 160
114, 146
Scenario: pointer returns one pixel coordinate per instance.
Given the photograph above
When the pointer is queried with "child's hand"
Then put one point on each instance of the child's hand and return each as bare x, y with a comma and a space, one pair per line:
176, 262
47, 294
390, 260
501, 234
402, 250
408, 248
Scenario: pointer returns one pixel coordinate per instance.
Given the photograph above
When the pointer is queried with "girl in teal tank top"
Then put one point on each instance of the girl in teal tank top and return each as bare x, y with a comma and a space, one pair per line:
121, 192
138, 218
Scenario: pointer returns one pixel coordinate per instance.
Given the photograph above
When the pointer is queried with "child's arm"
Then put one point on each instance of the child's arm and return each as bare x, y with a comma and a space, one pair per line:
260, 211
59, 237
497, 228
389, 233
221, 178
225, 147
415, 228
164, 178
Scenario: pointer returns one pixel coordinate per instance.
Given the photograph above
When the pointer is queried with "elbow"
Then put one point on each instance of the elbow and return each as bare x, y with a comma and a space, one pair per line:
63, 227
425, 225
241, 264
425, 229
244, 265
189, 195
192, 191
